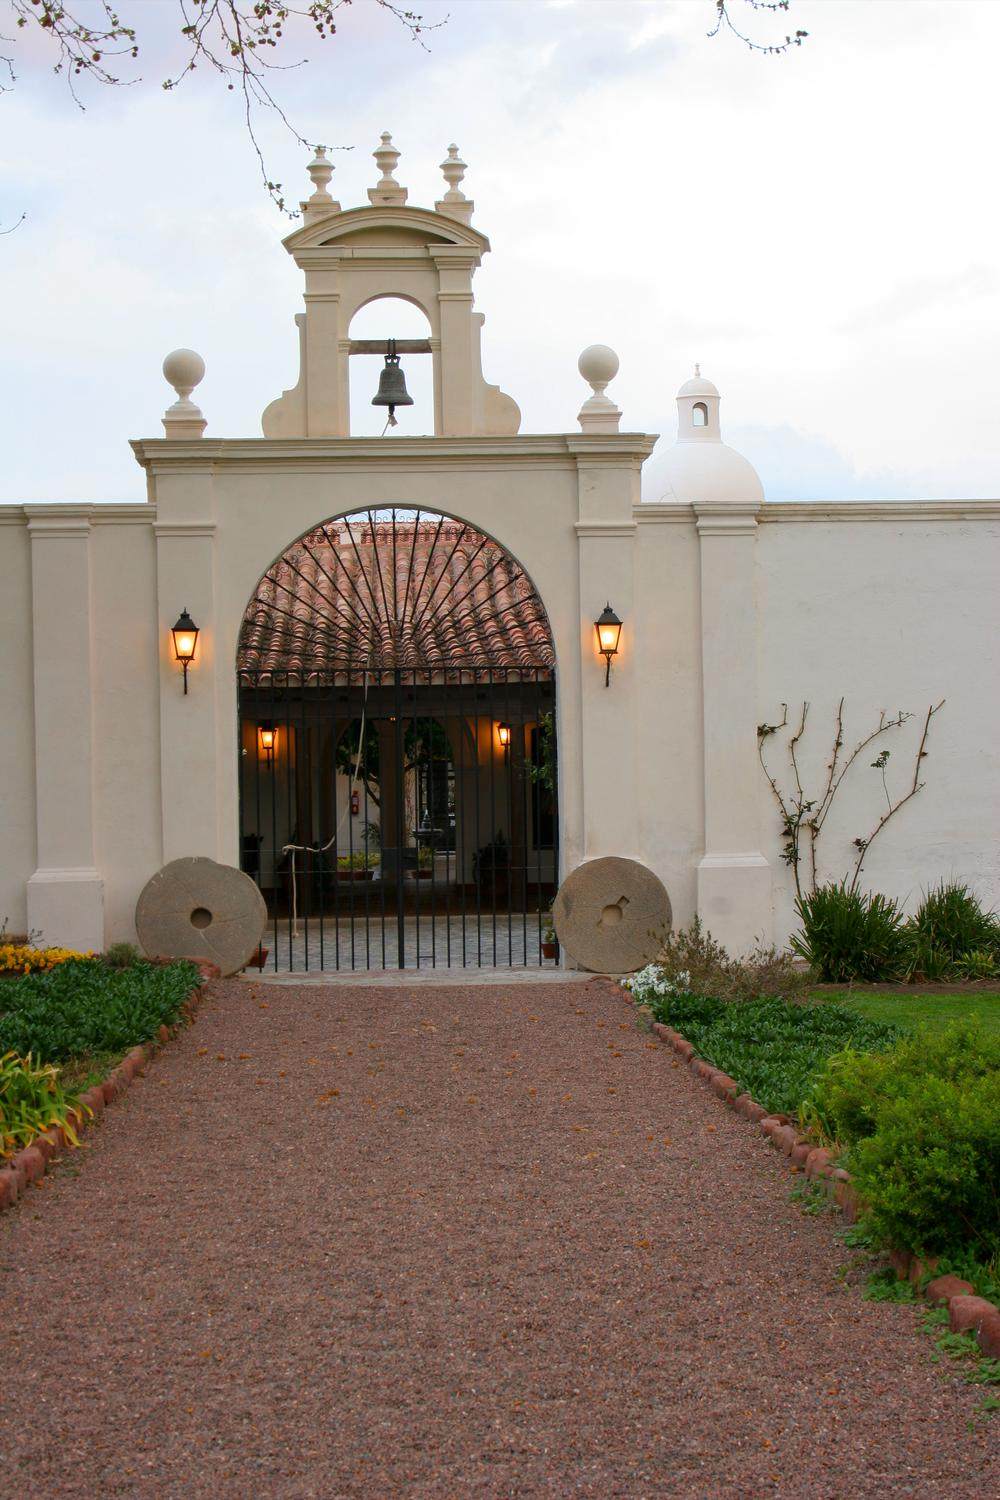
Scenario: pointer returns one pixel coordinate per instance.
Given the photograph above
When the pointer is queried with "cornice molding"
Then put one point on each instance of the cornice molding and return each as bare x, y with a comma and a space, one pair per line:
719, 518
664, 513
172, 529
605, 528
163, 455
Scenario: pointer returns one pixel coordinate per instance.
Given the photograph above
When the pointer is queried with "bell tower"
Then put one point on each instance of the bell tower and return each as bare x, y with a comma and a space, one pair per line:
389, 249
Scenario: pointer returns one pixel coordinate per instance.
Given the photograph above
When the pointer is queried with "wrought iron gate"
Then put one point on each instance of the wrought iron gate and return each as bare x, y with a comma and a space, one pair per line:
397, 734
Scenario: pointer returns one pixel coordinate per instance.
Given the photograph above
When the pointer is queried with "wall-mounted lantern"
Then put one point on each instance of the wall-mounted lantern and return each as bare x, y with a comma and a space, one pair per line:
503, 735
266, 735
185, 634
609, 629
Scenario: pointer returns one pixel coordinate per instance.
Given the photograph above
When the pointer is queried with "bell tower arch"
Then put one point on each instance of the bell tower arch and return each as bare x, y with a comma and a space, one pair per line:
389, 249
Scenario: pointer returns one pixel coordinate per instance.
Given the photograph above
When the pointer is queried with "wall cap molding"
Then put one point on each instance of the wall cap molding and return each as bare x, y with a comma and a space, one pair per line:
878, 510
53, 514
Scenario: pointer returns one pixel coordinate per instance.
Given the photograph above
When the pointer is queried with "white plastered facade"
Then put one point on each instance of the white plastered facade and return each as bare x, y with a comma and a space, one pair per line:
731, 607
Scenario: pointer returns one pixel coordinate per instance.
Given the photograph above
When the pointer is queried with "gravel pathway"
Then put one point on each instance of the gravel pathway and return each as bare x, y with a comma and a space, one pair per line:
450, 1242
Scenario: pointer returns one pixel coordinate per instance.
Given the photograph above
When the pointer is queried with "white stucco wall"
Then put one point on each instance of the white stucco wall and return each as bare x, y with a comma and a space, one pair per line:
892, 607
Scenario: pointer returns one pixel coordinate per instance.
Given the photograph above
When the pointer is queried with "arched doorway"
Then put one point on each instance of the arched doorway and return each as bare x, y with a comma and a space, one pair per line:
397, 735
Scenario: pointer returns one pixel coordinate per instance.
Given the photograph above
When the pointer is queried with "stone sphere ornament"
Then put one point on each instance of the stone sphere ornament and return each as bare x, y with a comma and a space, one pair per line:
611, 915
196, 908
598, 365
183, 369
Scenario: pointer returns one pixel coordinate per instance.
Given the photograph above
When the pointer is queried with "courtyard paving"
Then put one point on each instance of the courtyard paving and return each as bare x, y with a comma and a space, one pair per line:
449, 1241
359, 941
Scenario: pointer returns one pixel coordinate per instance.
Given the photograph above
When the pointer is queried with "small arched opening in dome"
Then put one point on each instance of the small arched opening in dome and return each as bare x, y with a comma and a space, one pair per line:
699, 414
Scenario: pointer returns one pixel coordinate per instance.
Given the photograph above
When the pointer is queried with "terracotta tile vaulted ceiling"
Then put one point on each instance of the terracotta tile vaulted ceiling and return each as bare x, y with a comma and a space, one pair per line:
387, 589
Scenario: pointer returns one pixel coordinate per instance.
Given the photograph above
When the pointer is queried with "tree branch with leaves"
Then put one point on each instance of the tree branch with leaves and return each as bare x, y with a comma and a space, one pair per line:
242, 42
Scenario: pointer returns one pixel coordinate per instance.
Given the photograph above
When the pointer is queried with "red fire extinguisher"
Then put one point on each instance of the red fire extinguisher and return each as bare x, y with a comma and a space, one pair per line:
355, 803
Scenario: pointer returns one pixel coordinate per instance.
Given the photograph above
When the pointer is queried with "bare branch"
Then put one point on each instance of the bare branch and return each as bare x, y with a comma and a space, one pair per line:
863, 845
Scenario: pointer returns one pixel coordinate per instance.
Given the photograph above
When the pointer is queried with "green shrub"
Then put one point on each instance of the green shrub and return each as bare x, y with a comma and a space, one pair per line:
980, 963
709, 970
31, 1099
950, 934
951, 920
83, 1007
849, 935
122, 956
922, 1123
775, 1049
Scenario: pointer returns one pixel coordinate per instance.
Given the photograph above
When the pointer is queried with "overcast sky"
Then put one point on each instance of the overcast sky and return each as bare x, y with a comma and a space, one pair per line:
819, 230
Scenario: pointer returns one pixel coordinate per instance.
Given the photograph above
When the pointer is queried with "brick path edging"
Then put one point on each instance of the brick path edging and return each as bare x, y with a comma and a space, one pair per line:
32, 1161
967, 1313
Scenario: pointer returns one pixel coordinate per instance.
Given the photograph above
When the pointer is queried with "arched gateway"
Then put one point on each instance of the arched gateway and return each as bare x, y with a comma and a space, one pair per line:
397, 748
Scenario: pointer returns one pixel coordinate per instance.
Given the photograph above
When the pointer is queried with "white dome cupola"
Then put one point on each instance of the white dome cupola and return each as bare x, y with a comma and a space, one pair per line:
701, 469
698, 411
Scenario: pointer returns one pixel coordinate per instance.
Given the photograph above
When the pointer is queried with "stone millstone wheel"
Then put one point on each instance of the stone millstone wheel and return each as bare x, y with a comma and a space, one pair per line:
195, 908
611, 915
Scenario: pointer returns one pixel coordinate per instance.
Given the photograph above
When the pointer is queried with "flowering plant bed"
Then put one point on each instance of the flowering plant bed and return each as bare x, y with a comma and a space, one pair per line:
20, 958
39, 1116
805, 1151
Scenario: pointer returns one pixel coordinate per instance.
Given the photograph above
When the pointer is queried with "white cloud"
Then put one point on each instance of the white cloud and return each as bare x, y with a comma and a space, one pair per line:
818, 230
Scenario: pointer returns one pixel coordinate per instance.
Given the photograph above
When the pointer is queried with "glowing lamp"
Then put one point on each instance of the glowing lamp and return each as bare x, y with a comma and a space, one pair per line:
185, 634
609, 629
503, 734
266, 734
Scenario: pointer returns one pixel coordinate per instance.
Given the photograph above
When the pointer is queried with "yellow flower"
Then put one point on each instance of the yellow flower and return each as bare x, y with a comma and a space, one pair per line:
22, 958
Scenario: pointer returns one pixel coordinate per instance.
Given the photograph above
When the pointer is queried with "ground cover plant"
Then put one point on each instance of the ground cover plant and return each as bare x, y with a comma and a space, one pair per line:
85, 1007
773, 1048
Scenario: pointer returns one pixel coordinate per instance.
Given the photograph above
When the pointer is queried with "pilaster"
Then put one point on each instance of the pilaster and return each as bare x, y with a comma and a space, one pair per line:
734, 879
65, 895
189, 751
609, 731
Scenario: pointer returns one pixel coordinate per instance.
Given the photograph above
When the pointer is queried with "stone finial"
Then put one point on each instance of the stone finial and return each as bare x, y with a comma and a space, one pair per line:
320, 170
387, 189
184, 369
454, 203
598, 365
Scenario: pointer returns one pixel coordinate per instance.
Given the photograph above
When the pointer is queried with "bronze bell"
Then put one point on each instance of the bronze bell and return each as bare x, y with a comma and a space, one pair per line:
392, 390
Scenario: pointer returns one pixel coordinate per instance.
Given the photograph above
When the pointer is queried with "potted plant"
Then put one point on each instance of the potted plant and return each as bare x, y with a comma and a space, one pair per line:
425, 862
550, 943
259, 959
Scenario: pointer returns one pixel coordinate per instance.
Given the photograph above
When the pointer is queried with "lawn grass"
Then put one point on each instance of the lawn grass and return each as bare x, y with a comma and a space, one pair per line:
915, 1012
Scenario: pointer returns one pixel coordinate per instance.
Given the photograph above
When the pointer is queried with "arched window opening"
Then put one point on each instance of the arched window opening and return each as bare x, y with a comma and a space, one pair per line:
391, 318
700, 414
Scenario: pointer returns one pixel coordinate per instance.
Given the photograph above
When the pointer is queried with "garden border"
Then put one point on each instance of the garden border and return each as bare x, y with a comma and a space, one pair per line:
32, 1162
967, 1313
